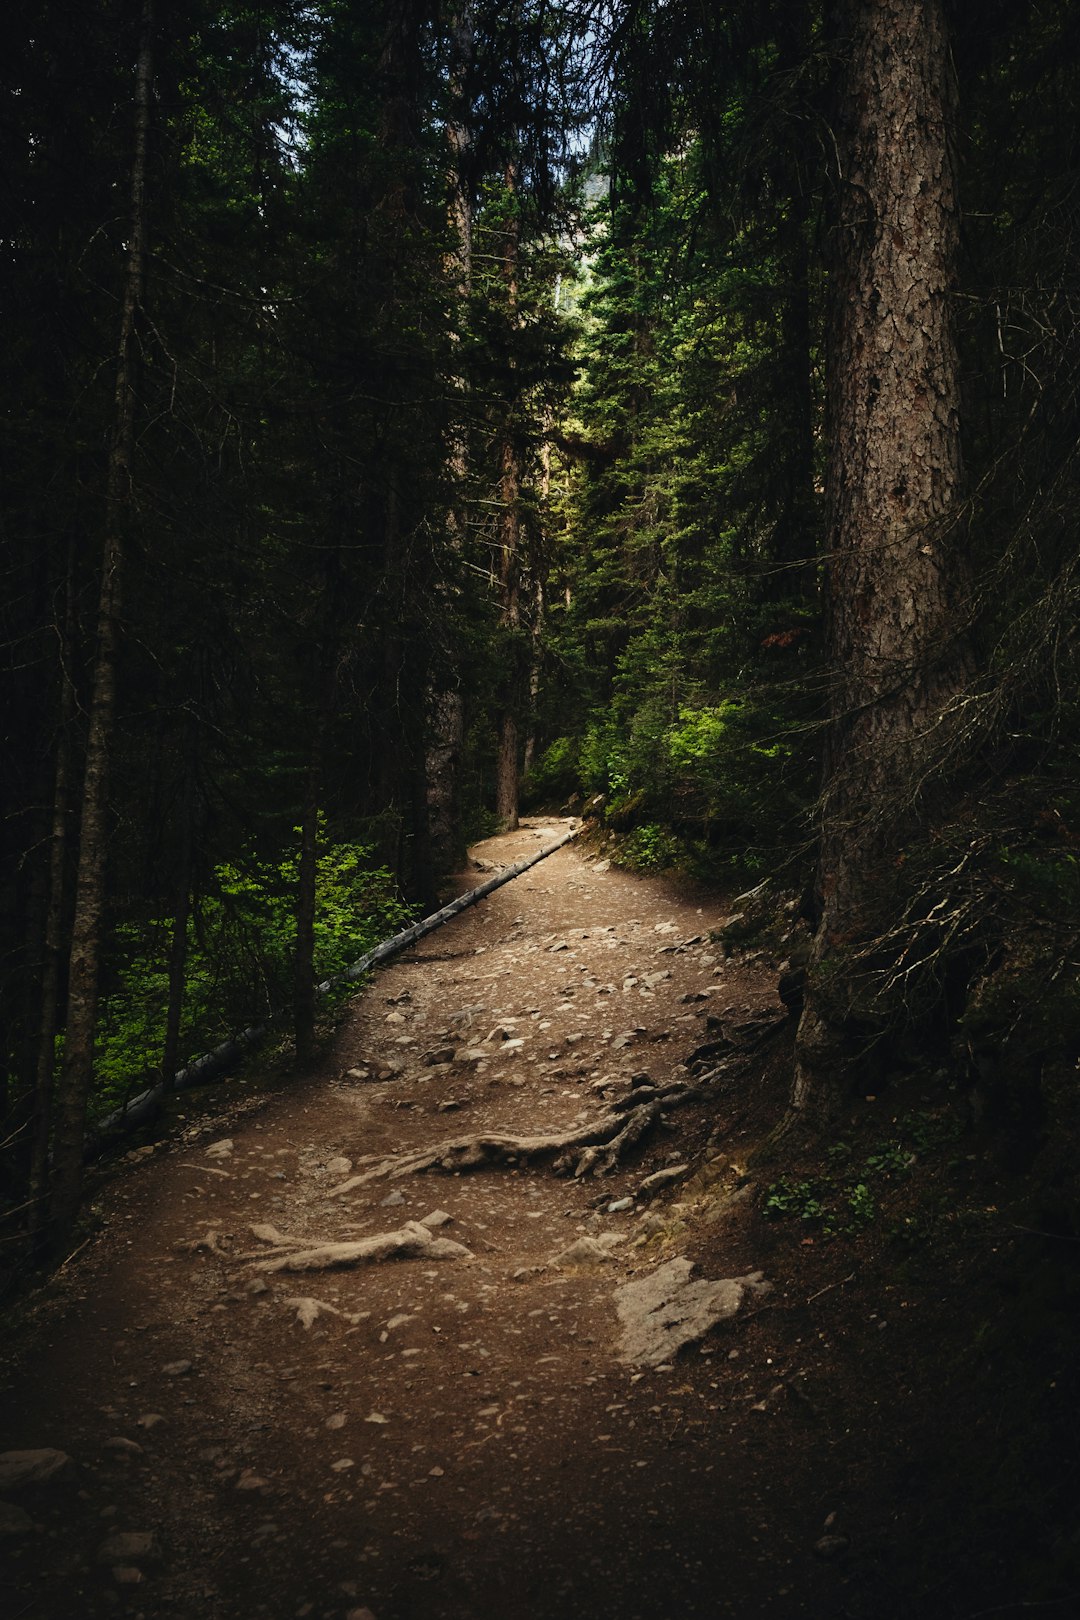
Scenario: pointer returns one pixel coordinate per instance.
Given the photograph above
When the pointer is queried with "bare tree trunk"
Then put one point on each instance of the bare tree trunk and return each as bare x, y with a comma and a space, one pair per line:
893, 478
84, 965
52, 960
446, 707
304, 954
178, 946
506, 779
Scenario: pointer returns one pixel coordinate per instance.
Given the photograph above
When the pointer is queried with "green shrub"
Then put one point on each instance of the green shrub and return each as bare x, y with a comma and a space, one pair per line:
240, 948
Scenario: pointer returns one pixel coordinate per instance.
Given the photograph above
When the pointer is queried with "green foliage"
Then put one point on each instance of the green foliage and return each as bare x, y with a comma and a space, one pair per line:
649, 848
844, 1200
555, 773
239, 964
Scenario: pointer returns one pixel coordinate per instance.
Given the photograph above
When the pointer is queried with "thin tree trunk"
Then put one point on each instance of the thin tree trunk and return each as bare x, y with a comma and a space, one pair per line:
304, 954
86, 938
446, 743
178, 945
536, 667
893, 478
506, 777
53, 953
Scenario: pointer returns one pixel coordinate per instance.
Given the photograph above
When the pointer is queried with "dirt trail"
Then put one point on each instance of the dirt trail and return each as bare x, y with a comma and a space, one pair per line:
430, 1437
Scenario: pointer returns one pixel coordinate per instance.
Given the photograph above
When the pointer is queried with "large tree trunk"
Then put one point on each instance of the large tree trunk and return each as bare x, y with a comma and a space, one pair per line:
892, 481
506, 768
84, 965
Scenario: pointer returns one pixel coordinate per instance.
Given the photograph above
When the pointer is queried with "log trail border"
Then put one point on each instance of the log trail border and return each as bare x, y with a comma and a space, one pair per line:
213, 1065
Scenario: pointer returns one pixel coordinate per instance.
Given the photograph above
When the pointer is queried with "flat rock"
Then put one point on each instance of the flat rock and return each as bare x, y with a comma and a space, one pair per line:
438, 1217
220, 1150
129, 1547
662, 1178
666, 1310
586, 1251
45, 1466
14, 1521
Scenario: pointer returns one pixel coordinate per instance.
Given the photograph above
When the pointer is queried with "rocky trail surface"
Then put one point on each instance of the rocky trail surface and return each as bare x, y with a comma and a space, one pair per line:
358, 1349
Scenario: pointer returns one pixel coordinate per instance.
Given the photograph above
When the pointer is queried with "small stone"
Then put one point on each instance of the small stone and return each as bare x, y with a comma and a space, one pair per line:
619, 1204
663, 1178
342, 1464
831, 1546
14, 1521
450, 1106
251, 1481
150, 1420
438, 1217
336, 1420
177, 1369
120, 1443
393, 1199
436, 1472
127, 1546
41, 1467
586, 1251
339, 1166
220, 1150
127, 1575
439, 1054
258, 1285
376, 1417
359, 1614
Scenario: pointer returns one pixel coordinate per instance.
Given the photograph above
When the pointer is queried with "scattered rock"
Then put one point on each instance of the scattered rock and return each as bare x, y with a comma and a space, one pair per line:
127, 1575
339, 1167
662, 1178
439, 1054
45, 1466
120, 1443
438, 1217
831, 1546
393, 1199
177, 1369
619, 1204
130, 1546
251, 1481
586, 1251
149, 1420
336, 1420
14, 1521
665, 1310
220, 1150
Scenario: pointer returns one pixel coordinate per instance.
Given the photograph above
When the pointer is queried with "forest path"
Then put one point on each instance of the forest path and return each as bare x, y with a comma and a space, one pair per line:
447, 1437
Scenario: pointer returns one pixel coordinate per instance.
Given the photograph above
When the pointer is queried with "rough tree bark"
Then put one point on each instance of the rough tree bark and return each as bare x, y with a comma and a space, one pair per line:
892, 481
53, 942
84, 965
446, 705
506, 767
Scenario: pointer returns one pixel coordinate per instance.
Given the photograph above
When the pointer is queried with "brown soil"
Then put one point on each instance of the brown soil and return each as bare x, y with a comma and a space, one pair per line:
456, 1439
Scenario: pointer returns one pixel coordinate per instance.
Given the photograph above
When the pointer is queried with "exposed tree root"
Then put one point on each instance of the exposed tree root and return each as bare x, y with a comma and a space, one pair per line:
589, 1149
410, 1242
